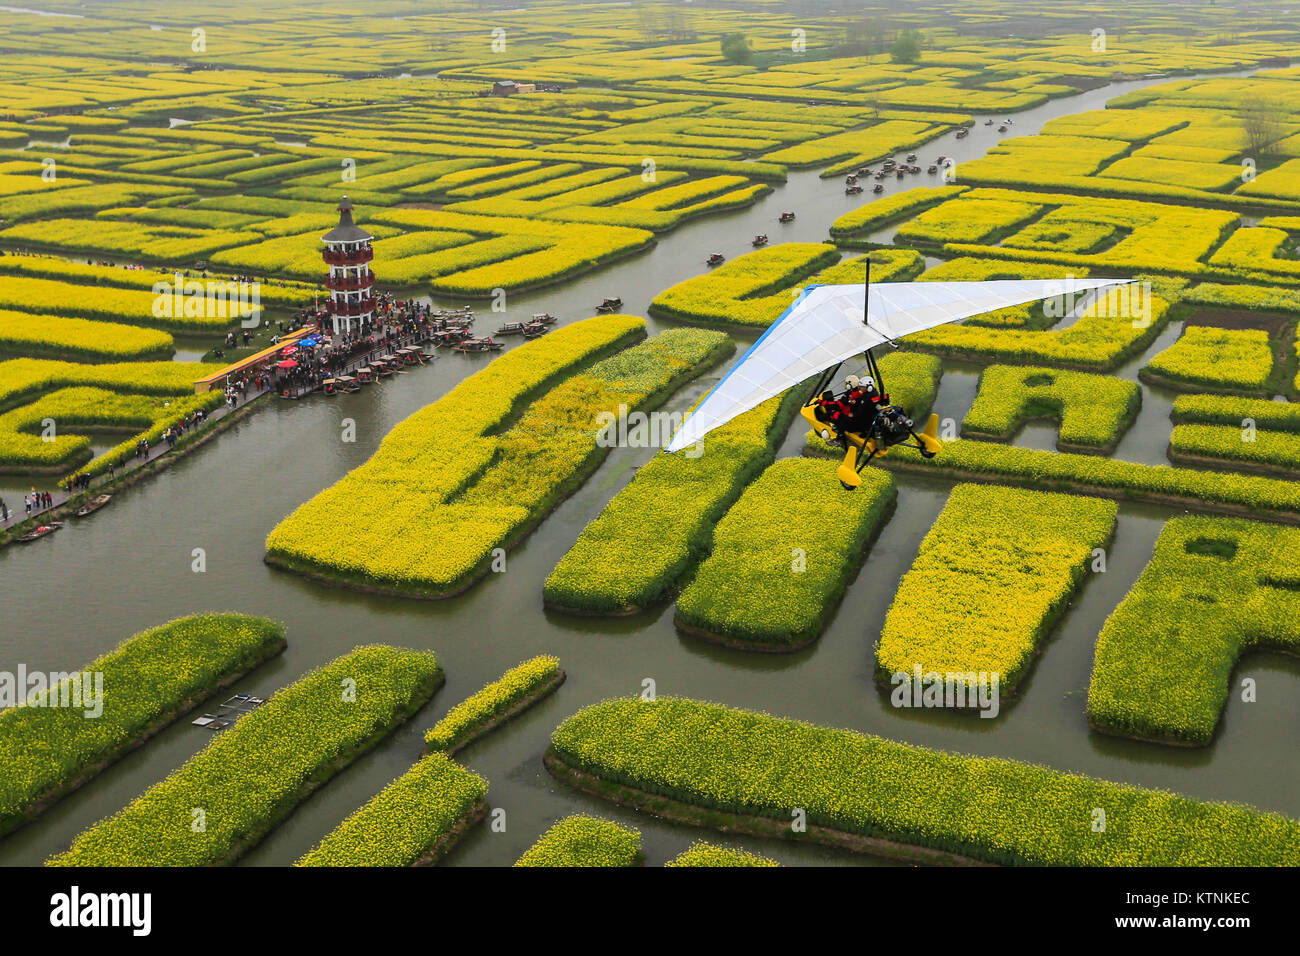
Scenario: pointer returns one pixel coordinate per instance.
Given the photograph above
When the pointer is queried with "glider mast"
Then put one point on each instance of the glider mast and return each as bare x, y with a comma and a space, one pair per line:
872, 368
866, 293
866, 305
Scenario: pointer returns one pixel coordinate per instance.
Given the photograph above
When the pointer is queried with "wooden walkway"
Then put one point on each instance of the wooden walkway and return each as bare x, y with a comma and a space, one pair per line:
18, 513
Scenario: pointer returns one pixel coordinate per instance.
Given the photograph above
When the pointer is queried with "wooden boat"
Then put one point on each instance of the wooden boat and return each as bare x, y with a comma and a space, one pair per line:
511, 328
716, 259
852, 190
534, 330
610, 304
759, 241
451, 325
544, 317
478, 345
963, 132
452, 336
789, 216
40, 531
878, 188
347, 383
93, 505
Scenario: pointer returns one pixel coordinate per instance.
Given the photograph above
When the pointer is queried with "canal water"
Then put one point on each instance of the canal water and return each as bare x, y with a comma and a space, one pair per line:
76, 594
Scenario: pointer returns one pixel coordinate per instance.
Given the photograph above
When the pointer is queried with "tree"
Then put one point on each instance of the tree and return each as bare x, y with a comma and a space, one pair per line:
907, 47
736, 48
864, 37
1263, 122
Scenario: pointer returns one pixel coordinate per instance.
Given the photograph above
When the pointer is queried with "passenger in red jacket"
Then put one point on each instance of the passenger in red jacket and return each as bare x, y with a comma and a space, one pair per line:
863, 401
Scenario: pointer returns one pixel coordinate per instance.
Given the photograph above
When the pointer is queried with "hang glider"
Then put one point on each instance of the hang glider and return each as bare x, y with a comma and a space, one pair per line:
825, 327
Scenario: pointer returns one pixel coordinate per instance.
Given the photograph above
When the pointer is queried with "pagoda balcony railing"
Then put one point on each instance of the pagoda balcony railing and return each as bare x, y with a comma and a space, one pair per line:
337, 257
353, 308
349, 283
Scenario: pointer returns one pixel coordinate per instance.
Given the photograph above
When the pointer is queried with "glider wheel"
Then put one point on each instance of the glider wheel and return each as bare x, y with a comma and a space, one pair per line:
848, 487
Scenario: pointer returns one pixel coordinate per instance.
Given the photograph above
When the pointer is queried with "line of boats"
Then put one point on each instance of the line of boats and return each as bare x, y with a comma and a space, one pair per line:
459, 337
380, 367
909, 167
890, 166
758, 242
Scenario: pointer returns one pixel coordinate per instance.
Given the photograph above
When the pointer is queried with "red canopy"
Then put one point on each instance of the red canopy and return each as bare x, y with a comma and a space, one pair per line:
288, 363
288, 350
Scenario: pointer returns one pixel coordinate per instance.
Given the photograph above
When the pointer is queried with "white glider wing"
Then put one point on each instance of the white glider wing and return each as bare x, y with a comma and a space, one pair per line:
824, 327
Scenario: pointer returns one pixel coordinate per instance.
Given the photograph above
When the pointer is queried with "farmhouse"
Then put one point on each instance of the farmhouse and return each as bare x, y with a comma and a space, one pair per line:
510, 88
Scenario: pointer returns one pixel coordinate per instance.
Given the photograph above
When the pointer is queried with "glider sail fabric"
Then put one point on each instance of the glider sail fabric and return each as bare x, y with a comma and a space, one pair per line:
824, 327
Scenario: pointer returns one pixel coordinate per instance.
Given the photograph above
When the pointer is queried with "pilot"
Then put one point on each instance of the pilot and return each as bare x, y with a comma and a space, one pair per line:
862, 400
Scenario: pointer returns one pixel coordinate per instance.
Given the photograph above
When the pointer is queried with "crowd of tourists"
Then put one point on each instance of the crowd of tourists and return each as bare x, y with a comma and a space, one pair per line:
303, 364
32, 501
172, 434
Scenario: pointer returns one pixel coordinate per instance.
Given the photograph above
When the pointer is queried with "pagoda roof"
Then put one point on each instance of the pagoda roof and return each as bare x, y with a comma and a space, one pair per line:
346, 230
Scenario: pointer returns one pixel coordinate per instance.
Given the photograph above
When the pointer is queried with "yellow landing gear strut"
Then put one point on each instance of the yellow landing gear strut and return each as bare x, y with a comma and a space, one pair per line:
860, 449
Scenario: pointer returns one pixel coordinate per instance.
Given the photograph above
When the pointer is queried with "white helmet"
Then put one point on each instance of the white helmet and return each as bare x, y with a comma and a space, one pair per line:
869, 382
852, 381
